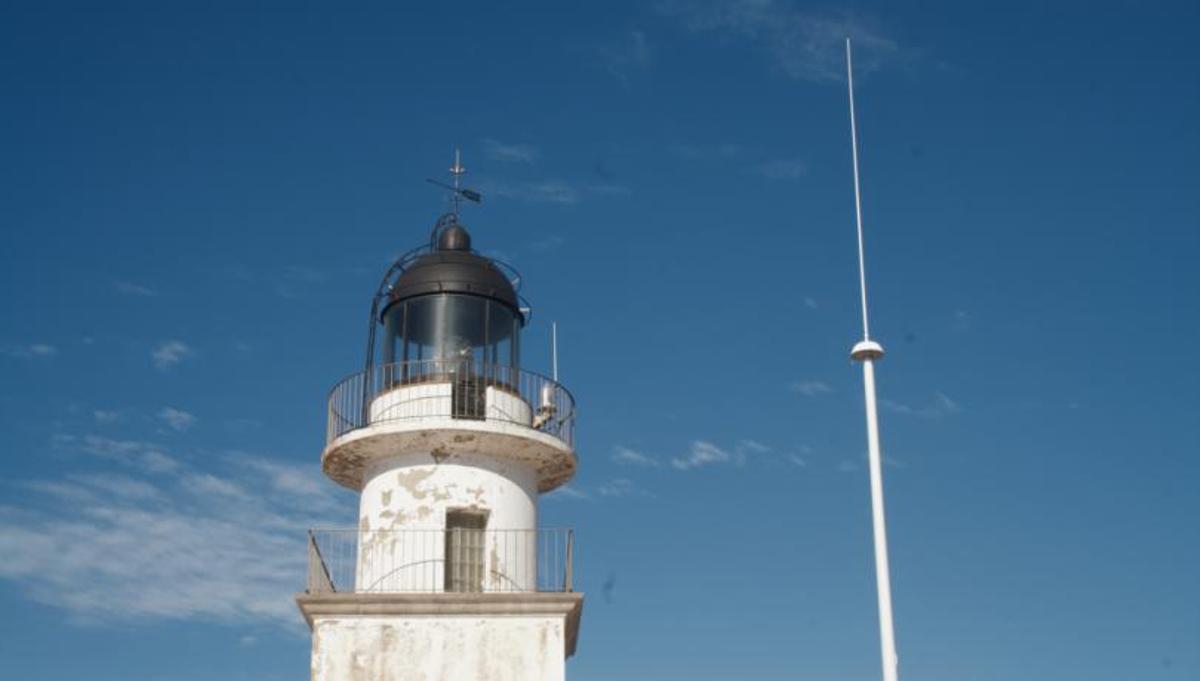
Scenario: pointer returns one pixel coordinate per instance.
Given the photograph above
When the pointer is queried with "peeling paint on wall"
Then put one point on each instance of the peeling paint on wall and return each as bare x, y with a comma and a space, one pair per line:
500, 648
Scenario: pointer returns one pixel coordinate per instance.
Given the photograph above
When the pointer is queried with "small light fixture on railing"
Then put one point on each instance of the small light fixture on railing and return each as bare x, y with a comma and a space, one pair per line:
546, 407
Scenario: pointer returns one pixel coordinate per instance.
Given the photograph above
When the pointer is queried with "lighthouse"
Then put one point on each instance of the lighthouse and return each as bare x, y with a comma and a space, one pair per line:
449, 442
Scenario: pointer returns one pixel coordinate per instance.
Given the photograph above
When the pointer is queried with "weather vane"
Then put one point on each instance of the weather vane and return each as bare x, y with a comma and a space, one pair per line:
457, 191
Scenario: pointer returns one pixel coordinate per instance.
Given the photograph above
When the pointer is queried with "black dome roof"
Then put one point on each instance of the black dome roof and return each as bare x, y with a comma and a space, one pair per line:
453, 268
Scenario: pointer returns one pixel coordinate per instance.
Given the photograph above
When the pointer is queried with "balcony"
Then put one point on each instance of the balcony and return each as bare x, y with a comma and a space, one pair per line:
451, 390
440, 561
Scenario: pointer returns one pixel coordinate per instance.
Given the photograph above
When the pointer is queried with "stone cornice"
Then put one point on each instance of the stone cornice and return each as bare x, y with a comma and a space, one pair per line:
565, 604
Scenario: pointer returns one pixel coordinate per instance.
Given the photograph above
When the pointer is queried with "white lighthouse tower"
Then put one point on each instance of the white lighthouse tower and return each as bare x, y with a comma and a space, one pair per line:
449, 442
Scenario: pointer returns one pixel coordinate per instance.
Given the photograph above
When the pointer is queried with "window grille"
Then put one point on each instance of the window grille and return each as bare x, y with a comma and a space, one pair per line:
464, 550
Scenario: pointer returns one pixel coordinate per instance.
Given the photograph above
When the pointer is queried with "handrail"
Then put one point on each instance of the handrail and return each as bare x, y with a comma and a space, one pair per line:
450, 389
440, 560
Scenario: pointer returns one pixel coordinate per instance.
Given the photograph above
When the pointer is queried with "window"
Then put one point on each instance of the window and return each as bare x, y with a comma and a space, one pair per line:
464, 550
468, 394
444, 329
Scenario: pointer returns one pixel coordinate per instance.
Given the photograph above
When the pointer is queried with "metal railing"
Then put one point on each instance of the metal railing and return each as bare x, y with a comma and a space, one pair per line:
440, 561
455, 389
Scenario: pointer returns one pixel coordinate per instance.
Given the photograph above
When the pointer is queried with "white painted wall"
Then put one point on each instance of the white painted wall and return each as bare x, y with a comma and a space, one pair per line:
442, 647
402, 516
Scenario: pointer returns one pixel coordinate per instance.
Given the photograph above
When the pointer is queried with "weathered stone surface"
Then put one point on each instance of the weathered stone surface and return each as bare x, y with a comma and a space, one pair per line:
423, 637
349, 458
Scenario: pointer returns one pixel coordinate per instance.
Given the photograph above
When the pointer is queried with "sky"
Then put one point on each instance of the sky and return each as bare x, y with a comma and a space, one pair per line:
198, 200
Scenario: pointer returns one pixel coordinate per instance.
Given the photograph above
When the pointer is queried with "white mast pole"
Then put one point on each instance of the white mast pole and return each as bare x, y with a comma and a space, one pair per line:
554, 349
867, 351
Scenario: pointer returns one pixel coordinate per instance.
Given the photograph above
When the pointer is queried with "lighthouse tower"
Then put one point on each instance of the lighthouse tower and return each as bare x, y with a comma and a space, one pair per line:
449, 442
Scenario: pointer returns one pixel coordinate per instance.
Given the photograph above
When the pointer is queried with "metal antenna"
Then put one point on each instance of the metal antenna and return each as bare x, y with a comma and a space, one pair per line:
867, 351
554, 349
457, 191
457, 170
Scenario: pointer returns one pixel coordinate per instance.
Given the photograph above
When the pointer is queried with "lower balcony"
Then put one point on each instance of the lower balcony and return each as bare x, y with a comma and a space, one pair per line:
459, 560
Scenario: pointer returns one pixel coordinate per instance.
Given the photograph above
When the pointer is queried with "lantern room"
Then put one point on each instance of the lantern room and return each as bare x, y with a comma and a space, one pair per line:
452, 305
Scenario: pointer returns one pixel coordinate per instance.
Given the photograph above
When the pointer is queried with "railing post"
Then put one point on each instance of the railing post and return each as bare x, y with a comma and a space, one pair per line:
319, 579
568, 578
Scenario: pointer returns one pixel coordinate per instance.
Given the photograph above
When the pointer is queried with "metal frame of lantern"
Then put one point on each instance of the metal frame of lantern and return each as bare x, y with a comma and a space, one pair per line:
402, 264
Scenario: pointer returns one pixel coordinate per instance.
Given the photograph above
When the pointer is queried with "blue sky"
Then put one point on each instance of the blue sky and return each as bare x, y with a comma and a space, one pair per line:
198, 201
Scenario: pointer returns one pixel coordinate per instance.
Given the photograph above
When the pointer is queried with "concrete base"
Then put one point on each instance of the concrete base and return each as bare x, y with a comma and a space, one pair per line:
427, 637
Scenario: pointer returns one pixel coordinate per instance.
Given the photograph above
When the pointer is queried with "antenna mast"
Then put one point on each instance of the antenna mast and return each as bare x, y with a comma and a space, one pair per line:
457, 170
457, 193
867, 351
554, 349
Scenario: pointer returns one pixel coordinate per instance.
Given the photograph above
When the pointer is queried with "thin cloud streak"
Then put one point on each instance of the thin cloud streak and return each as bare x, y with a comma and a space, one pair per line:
703, 453
620, 487
553, 191
803, 44
177, 419
627, 55
170, 353
131, 289
625, 456
706, 152
146, 456
567, 492
782, 169
510, 153
810, 388
32, 351
941, 406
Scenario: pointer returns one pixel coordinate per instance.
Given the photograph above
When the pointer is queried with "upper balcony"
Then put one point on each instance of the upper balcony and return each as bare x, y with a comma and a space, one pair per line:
523, 415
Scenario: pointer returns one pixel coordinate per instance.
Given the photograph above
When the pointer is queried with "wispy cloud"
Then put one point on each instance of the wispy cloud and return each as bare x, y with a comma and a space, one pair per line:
131, 289
189, 544
212, 486
32, 351
613, 488
290, 282
627, 55
146, 456
706, 152
543, 191
810, 388
548, 243
782, 169
568, 492
289, 479
962, 320
810, 303
752, 447
941, 406
804, 45
628, 457
553, 191
177, 419
607, 189
701, 454
294, 280
704, 453
106, 416
620, 487
169, 353
510, 153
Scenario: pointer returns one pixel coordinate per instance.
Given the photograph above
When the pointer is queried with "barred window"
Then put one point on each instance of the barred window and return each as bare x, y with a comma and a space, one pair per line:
464, 550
